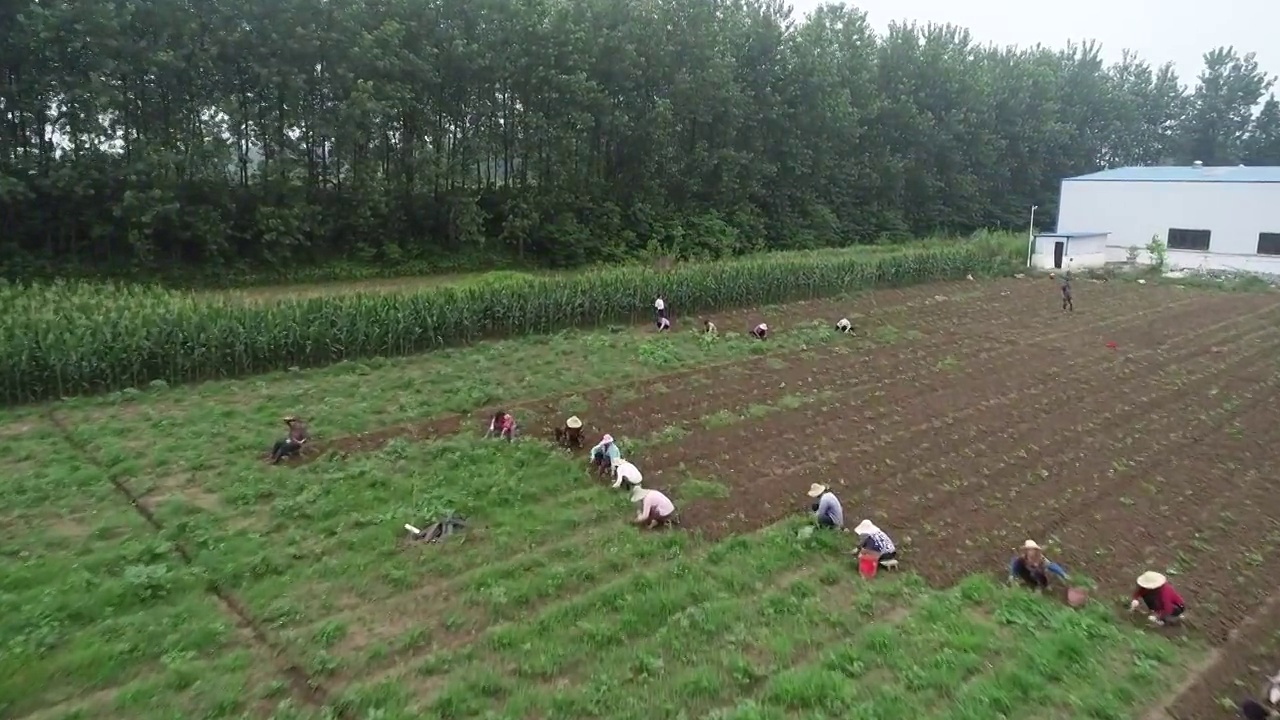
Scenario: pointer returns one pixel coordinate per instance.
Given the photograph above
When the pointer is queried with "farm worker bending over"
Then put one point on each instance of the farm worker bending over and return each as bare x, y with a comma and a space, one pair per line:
826, 511
502, 425
570, 435
1161, 599
626, 475
761, 331
876, 543
292, 444
663, 324
844, 326
708, 327
1269, 707
655, 508
603, 455
1033, 568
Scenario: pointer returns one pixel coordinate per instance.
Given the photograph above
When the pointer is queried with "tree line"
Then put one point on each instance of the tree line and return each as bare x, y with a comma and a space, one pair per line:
269, 134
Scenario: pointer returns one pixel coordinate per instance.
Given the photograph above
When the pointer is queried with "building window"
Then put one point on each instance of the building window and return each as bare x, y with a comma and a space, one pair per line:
1269, 243
1180, 239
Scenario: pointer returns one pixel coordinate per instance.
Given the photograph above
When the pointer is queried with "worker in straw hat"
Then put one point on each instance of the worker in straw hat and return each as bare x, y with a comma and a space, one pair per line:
876, 542
570, 436
1158, 595
292, 444
826, 507
656, 509
626, 475
604, 453
1269, 707
1033, 568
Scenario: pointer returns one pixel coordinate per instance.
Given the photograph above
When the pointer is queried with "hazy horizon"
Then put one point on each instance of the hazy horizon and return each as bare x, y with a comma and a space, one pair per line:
1176, 31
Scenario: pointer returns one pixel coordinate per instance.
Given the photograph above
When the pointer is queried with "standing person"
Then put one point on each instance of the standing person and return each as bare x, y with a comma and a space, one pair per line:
827, 512
761, 331
1067, 305
603, 454
1033, 568
876, 543
626, 475
1154, 590
660, 307
292, 444
503, 425
656, 509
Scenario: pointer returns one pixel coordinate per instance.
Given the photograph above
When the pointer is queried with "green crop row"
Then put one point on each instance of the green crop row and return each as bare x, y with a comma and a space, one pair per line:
73, 338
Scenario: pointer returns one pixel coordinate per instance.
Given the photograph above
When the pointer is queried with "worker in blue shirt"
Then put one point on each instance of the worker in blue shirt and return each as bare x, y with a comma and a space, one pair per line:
1033, 568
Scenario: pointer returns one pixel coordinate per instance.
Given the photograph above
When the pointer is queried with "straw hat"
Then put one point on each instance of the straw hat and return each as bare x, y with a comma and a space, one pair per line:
290, 418
866, 527
606, 439
573, 423
1031, 545
1151, 580
638, 493
815, 490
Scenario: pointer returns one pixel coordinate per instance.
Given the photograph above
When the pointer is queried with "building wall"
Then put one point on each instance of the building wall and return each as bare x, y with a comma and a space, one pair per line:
1135, 211
1081, 252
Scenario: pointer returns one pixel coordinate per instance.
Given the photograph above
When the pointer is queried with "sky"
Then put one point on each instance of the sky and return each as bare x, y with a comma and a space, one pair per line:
1159, 31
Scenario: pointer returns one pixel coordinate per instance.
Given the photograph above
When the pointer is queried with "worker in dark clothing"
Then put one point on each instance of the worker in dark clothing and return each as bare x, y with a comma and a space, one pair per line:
292, 444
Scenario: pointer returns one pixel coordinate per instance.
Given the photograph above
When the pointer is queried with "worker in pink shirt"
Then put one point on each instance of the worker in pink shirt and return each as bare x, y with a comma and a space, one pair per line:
656, 509
1161, 599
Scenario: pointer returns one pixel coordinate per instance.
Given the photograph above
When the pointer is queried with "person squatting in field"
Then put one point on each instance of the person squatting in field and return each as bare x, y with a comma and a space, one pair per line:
876, 543
1033, 568
656, 509
503, 425
626, 475
292, 444
708, 327
1269, 707
827, 512
663, 324
570, 436
603, 455
844, 326
761, 331
1154, 590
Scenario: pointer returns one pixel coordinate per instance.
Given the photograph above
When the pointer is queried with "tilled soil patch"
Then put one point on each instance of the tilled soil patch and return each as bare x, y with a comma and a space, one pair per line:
789, 450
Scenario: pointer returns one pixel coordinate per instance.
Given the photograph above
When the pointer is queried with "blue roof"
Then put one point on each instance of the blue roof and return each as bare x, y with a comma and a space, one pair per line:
1070, 235
1187, 173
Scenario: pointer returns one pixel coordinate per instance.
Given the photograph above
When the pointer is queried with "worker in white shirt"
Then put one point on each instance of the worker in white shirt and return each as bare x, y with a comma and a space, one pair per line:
656, 509
626, 475
844, 326
660, 306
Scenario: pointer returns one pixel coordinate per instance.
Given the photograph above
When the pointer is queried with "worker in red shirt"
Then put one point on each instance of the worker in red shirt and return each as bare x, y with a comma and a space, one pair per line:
1161, 599
503, 425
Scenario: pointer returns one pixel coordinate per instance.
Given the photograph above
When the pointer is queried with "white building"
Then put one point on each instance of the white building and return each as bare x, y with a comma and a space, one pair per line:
1208, 218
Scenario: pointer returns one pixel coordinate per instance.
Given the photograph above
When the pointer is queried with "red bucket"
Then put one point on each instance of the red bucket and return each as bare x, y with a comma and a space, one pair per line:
867, 565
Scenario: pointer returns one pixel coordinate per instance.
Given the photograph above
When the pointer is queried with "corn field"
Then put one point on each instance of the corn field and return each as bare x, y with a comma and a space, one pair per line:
74, 338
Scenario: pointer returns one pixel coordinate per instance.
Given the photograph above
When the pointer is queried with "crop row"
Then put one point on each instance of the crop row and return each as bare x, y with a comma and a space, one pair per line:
77, 338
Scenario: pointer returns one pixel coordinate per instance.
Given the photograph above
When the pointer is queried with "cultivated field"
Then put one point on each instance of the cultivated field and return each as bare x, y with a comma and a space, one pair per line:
963, 418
